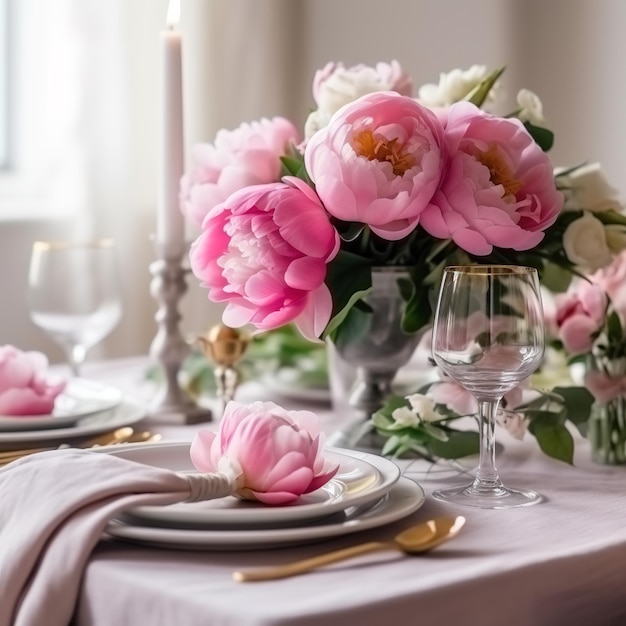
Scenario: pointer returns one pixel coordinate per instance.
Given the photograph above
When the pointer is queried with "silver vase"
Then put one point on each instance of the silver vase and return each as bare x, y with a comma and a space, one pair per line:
362, 369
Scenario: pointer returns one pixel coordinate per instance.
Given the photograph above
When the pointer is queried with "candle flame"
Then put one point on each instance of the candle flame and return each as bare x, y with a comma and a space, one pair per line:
173, 13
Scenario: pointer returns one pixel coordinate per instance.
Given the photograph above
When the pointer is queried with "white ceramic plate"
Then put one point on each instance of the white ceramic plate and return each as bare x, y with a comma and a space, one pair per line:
404, 498
361, 478
80, 399
125, 414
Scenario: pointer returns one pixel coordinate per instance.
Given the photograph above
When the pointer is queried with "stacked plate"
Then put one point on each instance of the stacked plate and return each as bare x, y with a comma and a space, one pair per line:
366, 492
85, 408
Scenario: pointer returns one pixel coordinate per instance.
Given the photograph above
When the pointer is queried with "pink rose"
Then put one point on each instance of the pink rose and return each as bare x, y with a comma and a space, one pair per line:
604, 387
378, 162
580, 313
499, 188
279, 452
248, 155
264, 251
612, 279
24, 388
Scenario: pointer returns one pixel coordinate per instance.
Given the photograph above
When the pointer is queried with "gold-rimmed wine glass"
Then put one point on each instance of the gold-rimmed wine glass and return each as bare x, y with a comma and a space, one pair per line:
488, 336
74, 293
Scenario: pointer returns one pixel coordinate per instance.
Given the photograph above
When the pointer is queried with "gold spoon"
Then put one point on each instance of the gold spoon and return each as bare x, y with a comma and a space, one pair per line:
413, 540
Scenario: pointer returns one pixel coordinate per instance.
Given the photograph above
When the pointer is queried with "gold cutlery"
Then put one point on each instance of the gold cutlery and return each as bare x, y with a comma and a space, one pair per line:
119, 435
413, 540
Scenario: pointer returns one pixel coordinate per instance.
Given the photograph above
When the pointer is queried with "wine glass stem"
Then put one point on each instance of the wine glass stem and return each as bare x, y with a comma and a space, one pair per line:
76, 355
487, 478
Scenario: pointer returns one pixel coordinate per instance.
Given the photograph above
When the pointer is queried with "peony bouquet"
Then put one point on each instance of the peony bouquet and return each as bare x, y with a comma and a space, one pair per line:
292, 223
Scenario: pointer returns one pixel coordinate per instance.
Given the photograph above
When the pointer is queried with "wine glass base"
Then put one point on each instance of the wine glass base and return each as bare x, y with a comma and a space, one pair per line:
498, 498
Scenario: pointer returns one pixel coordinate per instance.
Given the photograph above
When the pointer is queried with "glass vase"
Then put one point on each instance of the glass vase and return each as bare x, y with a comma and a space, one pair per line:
607, 432
362, 369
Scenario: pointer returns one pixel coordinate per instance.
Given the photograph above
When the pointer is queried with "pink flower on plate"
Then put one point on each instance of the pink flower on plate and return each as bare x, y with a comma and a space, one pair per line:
580, 313
499, 187
378, 162
264, 252
248, 155
279, 453
24, 387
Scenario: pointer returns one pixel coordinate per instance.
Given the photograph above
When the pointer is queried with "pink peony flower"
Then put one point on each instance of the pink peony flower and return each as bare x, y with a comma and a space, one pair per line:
24, 388
257, 253
580, 313
378, 162
279, 452
499, 188
249, 155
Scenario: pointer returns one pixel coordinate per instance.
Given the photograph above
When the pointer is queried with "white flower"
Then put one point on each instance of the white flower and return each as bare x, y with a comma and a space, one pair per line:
452, 87
403, 416
514, 423
531, 109
585, 243
424, 407
587, 189
336, 85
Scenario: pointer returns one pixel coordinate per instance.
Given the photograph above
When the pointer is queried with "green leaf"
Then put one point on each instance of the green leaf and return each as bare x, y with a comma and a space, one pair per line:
385, 412
614, 328
479, 94
554, 439
350, 231
459, 444
417, 311
349, 278
543, 137
578, 402
555, 278
611, 217
435, 432
355, 323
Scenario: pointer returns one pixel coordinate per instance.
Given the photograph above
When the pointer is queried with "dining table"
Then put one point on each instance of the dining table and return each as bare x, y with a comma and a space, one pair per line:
559, 562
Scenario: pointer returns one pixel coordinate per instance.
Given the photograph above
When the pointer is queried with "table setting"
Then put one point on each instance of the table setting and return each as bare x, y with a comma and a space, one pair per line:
396, 280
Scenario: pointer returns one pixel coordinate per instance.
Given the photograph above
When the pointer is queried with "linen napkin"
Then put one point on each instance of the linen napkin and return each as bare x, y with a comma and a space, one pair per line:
54, 507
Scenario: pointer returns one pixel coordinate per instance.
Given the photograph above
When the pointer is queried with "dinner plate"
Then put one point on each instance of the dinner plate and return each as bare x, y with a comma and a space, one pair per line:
361, 478
125, 414
80, 398
403, 498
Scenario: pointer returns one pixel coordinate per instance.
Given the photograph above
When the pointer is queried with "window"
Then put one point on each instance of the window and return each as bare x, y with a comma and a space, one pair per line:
4, 85
39, 155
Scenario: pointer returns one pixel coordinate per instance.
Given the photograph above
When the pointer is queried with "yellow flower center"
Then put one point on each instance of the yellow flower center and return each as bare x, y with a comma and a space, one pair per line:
499, 173
373, 148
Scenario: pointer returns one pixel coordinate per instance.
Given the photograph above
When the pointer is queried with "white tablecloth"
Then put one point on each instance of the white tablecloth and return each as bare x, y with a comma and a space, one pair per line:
559, 562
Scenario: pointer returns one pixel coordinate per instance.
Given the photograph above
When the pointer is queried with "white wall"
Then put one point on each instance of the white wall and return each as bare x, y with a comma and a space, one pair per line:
569, 51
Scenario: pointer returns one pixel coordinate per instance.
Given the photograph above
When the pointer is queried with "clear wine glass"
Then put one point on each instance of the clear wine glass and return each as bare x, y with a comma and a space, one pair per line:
75, 294
488, 336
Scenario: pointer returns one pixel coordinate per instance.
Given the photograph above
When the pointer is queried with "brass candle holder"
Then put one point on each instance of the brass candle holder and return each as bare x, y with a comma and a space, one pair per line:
226, 347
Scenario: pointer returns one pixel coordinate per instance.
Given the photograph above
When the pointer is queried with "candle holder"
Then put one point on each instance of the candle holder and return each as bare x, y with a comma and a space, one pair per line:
172, 403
